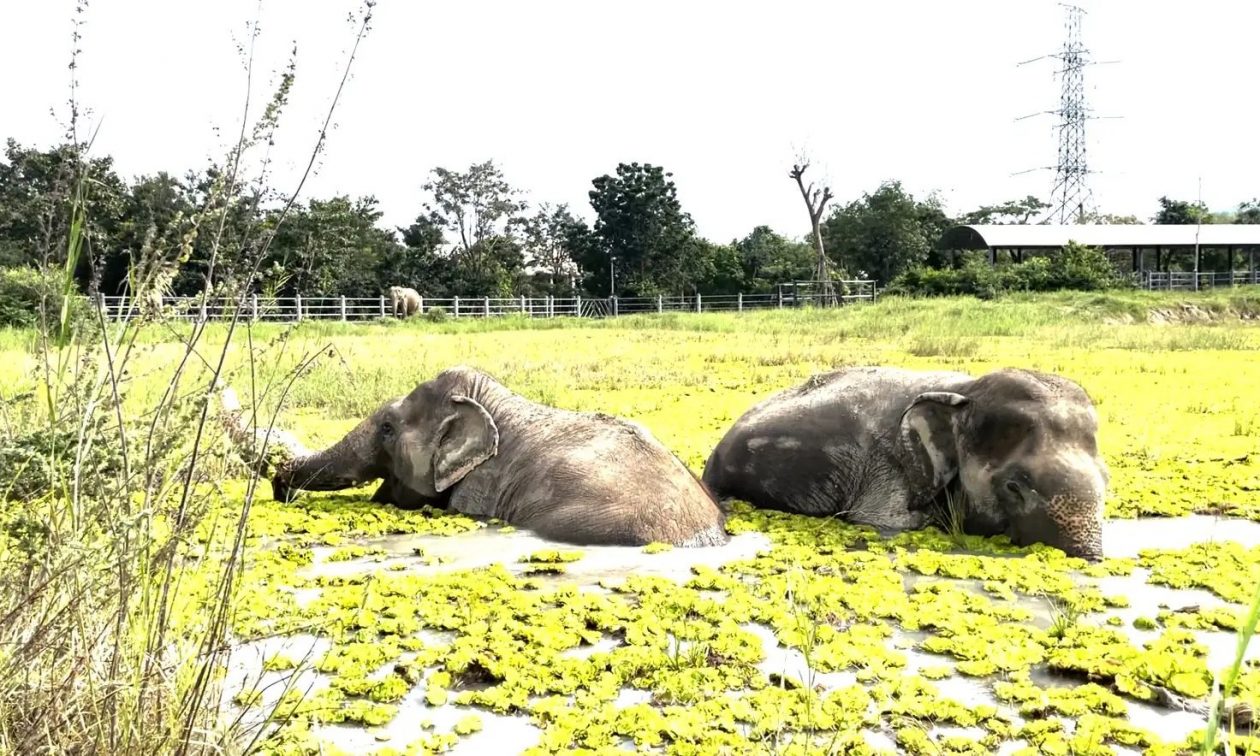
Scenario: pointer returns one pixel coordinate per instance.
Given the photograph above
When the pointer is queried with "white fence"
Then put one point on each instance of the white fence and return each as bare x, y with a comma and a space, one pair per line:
1191, 281
290, 309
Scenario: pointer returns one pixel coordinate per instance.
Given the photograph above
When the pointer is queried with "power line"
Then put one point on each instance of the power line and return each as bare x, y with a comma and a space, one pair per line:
1071, 199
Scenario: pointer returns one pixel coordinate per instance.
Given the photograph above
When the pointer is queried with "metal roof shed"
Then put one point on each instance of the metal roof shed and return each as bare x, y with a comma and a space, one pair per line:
1136, 239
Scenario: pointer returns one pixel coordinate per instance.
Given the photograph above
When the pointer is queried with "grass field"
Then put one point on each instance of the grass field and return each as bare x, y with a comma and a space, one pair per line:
1180, 429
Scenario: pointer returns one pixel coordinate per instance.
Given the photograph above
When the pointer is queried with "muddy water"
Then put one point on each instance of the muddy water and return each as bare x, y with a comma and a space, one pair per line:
511, 734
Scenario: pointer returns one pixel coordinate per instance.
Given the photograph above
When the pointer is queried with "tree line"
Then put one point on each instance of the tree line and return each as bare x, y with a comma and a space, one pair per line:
476, 235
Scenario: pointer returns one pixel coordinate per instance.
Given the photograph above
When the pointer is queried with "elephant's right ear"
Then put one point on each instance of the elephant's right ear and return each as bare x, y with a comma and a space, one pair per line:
926, 431
466, 438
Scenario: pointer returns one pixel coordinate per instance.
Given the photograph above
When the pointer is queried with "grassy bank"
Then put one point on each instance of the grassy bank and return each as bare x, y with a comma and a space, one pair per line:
1178, 421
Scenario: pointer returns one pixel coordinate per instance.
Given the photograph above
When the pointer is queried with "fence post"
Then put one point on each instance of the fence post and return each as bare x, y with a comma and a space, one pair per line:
382, 305
100, 303
577, 306
419, 305
522, 304
660, 304
201, 313
297, 305
485, 309
457, 305
551, 306
343, 308
698, 305
614, 304
739, 302
780, 297
253, 307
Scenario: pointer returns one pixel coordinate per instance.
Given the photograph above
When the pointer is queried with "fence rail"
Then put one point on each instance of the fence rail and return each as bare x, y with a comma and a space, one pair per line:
1156, 280
291, 309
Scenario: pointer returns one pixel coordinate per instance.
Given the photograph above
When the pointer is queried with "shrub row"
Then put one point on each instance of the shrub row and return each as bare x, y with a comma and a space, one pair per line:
1076, 267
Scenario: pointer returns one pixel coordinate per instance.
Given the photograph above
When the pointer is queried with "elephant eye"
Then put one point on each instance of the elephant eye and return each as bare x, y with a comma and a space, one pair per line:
387, 429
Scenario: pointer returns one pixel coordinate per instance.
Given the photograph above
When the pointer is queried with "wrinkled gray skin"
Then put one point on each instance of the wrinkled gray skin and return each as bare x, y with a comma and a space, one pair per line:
465, 442
880, 446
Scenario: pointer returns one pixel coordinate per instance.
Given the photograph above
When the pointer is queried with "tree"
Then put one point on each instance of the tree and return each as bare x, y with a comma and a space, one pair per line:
418, 262
884, 233
234, 225
1248, 212
1113, 220
815, 202
475, 205
35, 187
1012, 212
482, 211
156, 211
333, 246
768, 258
546, 234
719, 268
1179, 212
641, 226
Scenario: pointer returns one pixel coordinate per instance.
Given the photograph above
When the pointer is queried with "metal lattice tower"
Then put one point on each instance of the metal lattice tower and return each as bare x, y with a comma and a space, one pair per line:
1071, 199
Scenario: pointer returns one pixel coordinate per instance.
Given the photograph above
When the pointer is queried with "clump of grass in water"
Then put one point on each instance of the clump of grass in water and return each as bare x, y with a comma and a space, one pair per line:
1222, 690
955, 514
1064, 615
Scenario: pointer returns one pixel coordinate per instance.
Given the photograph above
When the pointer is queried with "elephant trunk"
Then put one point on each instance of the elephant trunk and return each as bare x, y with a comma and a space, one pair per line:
345, 464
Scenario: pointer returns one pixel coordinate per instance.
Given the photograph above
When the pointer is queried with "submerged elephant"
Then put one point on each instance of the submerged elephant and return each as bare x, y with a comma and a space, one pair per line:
879, 446
466, 442
403, 301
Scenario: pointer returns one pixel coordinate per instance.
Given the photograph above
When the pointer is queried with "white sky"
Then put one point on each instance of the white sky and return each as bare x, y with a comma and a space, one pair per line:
722, 94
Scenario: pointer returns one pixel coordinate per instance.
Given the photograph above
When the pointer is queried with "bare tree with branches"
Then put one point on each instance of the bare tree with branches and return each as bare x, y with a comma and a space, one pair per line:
815, 201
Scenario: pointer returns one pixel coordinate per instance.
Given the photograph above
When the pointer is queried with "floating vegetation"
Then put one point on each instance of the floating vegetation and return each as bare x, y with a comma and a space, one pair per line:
552, 556
835, 594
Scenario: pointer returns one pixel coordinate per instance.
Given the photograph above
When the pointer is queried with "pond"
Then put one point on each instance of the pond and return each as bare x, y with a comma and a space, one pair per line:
602, 569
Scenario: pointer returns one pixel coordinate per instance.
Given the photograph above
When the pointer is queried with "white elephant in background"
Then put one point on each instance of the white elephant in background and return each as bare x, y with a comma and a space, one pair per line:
404, 302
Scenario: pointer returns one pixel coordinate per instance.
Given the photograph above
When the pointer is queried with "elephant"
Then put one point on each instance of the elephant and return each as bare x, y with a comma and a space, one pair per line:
403, 301
891, 448
464, 442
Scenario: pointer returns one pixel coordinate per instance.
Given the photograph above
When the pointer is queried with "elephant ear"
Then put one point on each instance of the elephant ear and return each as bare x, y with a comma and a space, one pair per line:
926, 432
466, 438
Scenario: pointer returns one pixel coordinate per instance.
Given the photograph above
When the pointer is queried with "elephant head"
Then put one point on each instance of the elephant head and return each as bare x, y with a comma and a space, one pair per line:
421, 445
1022, 448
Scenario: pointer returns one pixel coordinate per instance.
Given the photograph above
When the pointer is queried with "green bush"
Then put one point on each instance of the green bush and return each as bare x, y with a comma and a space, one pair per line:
1075, 267
435, 315
25, 291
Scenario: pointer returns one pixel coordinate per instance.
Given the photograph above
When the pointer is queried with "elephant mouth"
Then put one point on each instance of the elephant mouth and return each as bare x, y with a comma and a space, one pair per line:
1051, 536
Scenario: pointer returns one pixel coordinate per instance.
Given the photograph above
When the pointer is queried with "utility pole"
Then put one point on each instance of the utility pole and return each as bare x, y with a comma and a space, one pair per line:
612, 276
1198, 226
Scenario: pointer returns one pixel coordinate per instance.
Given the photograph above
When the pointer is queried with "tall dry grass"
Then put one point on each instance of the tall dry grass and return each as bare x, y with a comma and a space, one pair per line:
116, 582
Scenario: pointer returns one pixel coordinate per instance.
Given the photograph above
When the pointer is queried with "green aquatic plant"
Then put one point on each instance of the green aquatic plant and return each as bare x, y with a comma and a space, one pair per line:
552, 556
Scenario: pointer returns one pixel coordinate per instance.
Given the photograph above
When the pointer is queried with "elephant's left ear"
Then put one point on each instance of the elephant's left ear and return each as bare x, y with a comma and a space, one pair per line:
926, 432
466, 438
